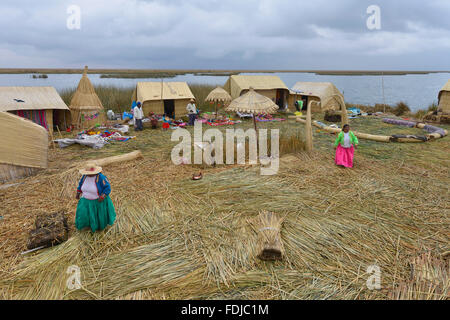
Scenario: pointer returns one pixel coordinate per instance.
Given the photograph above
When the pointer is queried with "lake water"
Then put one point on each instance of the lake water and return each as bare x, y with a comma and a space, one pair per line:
418, 91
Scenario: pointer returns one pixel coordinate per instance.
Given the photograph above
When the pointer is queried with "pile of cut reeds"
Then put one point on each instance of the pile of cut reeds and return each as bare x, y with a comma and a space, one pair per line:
176, 238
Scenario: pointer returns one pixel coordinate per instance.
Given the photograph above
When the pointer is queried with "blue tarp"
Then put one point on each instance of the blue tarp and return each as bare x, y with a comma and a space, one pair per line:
128, 115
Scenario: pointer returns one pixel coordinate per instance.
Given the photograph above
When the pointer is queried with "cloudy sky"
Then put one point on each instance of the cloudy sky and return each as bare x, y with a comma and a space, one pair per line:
226, 34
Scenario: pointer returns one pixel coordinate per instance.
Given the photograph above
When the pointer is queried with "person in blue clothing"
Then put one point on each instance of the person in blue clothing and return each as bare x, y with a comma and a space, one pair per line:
95, 208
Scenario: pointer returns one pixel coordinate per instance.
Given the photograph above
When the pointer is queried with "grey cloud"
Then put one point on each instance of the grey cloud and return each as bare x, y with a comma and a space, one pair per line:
289, 34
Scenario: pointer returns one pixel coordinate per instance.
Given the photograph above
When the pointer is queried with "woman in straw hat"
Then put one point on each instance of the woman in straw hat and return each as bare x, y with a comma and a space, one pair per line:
192, 112
95, 208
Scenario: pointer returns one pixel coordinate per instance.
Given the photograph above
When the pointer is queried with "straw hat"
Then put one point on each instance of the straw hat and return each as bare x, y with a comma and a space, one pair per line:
90, 168
192, 100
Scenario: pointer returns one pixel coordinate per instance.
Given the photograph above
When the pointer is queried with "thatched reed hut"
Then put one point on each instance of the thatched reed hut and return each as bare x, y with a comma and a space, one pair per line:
270, 86
42, 105
327, 96
170, 98
444, 99
85, 107
24, 147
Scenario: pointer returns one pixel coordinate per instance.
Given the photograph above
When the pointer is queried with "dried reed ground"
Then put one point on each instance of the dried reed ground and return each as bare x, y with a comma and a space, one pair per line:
181, 239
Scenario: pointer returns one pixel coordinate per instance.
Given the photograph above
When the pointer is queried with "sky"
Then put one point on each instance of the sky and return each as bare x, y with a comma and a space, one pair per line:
226, 34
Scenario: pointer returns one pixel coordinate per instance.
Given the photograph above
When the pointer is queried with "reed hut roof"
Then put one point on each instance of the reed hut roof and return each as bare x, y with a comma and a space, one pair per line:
252, 102
30, 98
85, 97
24, 143
325, 91
148, 91
218, 94
238, 83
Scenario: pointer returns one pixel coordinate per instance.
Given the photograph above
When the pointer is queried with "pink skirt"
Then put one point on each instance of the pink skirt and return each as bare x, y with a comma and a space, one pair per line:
344, 156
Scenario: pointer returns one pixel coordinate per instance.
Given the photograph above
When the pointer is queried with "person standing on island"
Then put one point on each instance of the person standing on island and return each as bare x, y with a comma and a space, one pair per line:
95, 209
345, 145
138, 115
192, 112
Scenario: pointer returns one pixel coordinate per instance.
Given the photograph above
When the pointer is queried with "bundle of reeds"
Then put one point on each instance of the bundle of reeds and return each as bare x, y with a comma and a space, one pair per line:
270, 246
429, 279
49, 230
332, 116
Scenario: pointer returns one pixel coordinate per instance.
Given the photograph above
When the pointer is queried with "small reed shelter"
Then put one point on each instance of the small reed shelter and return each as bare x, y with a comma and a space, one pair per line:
42, 105
85, 107
169, 98
24, 147
444, 99
325, 94
442, 114
270, 86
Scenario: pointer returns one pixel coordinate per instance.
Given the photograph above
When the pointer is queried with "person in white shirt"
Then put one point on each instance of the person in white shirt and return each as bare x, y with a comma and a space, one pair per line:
138, 115
192, 112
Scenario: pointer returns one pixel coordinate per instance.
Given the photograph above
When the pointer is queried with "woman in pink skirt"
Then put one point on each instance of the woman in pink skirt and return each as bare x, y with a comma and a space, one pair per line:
345, 146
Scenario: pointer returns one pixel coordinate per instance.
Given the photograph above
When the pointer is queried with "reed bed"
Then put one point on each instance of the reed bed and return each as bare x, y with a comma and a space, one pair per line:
176, 238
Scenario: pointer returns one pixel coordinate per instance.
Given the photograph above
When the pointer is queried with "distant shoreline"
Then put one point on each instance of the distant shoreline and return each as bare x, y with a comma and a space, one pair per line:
140, 73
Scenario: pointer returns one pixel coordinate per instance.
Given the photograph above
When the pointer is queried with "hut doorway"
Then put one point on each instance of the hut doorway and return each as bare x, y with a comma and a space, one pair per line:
169, 108
280, 99
60, 118
305, 103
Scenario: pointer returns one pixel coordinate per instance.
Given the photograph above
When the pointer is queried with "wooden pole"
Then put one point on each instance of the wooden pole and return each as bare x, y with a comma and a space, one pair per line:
358, 134
308, 130
60, 135
254, 122
51, 137
215, 116
256, 130
344, 115
121, 158
162, 101
382, 87
77, 124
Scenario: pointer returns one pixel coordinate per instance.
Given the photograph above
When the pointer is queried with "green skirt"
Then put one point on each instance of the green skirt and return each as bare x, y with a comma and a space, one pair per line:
94, 214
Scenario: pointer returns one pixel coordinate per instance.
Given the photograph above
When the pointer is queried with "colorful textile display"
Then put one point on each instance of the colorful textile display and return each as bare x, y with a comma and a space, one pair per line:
263, 117
96, 138
37, 116
89, 116
220, 123
177, 124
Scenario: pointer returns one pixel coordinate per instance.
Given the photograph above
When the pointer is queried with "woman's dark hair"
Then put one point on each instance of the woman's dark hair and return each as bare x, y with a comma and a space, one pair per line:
345, 125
